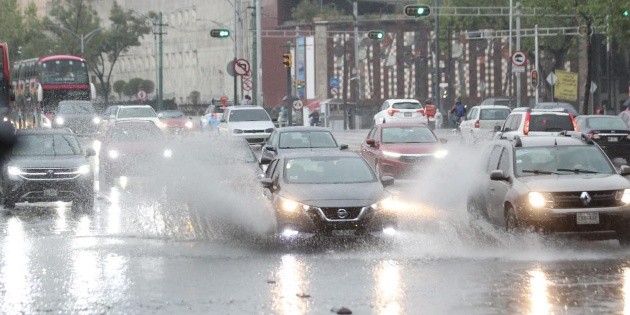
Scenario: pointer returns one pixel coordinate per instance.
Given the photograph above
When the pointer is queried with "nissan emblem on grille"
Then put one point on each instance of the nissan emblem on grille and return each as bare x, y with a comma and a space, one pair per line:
342, 213
586, 198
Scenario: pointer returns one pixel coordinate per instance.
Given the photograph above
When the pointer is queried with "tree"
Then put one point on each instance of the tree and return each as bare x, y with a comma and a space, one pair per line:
147, 86
118, 87
10, 24
306, 10
194, 97
70, 20
132, 87
125, 32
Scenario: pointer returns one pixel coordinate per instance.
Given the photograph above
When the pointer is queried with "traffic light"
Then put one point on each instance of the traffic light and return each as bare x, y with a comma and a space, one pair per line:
286, 60
376, 35
626, 13
534, 76
219, 32
299, 84
417, 10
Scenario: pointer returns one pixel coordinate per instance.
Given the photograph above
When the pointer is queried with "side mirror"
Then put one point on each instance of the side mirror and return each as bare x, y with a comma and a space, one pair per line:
343, 147
266, 182
370, 142
624, 170
387, 181
497, 128
270, 148
265, 160
497, 175
90, 152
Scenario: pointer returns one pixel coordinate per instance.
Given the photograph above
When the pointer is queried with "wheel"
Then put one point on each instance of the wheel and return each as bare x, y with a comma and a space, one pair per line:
9, 203
623, 235
512, 223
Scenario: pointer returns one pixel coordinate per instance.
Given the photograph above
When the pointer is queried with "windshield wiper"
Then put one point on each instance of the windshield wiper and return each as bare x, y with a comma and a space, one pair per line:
577, 170
537, 172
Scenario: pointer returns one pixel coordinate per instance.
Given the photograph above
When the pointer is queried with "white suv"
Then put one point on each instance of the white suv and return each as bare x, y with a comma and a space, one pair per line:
246, 121
134, 112
400, 110
525, 121
481, 120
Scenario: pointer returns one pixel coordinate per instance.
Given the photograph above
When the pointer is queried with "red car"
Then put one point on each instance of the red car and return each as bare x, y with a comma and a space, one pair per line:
175, 121
398, 149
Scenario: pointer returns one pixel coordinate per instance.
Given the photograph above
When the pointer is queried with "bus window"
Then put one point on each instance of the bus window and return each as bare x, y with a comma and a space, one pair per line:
64, 71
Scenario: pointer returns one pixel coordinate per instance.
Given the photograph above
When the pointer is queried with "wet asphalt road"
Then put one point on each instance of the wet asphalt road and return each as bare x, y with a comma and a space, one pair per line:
136, 254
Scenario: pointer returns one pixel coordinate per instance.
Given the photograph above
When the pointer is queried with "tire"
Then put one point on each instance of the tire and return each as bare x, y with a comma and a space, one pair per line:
9, 203
624, 238
512, 224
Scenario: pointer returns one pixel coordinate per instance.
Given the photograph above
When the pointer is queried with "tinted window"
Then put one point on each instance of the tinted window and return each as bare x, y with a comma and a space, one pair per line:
494, 114
550, 122
406, 105
46, 145
307, 139
612, 123
76, 108
136, 112
249, 115
407, 135
328, 170
516, 122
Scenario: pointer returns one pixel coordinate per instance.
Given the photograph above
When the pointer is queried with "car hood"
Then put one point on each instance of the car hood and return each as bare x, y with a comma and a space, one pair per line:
335, 195
410, 148
249, 125
61, 161
559, 183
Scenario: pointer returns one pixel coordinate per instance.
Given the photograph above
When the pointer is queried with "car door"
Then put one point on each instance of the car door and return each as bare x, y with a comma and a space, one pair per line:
380, 116
499, 188
369, 152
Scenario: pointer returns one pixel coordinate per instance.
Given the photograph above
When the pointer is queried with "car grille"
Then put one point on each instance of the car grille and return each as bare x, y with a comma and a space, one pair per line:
254, 131
49, 173
599, 199
416, 158
333, 213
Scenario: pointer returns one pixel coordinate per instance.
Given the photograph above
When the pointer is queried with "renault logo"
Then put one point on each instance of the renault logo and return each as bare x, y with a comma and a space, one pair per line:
586, 198
342, 213
50, 172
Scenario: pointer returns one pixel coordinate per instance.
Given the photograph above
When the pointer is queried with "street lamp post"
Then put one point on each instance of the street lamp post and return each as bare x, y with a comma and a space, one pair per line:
83, 38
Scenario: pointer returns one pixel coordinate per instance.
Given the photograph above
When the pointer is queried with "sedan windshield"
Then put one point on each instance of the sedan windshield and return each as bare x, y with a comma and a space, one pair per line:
307, 139
249, 115
408, 135
76, 108
607, 123
563, 160
46, 145
136, 112
328, 170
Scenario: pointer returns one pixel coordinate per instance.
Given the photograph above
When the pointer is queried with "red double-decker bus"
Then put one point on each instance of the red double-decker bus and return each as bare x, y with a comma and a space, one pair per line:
40, 83
6, 91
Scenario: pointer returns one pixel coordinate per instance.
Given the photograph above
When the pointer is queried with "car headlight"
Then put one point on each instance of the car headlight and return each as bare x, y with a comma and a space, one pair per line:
167, 153
440, 154
189, 124
392, 204
14, 171
84, 169
292, 206
237, 131
392, 155
538, 200
96, 120
269, 130
623, 196
113, 154
59, 120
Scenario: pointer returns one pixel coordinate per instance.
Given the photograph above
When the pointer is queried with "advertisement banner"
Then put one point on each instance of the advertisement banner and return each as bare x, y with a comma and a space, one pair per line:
566, 87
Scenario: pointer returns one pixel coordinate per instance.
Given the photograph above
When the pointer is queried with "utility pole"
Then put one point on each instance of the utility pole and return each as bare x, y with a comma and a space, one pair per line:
355, 13
159, 32
258, 97
436, 84
518, 47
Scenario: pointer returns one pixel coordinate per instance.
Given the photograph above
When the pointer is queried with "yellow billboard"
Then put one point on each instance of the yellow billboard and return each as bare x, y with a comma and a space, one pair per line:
566, 87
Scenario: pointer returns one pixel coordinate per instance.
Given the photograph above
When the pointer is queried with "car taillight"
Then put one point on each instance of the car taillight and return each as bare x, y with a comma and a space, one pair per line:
477, 123
575, 127
593, 135
421, 111
526, 126
391, 112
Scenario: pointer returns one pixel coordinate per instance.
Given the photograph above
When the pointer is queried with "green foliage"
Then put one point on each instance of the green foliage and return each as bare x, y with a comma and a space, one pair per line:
194, 97
118, 87
69, 21
22, 30
307, 10
147, 86
132, 87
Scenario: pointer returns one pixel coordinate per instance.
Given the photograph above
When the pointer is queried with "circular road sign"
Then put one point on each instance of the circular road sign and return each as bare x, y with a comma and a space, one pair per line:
142, 95
247, 84
241, 67
519, 58
297, 105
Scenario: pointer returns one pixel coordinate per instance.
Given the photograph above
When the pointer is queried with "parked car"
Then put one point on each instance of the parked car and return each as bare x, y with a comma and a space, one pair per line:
610, 132
212, 114
561, 183
401, 149
400, 110
554, 105
482, 120
331, 193
249, 122
525, 121
80, 116
132, 148
298, 138
48, 165
174, 121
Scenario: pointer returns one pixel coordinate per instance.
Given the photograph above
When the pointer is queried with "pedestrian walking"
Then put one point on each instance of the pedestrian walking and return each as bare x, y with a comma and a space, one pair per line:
314, 118
282, 116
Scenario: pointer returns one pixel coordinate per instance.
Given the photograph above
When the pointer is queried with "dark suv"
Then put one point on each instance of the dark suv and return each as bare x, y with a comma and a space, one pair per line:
48, 165
526, 121
559, 183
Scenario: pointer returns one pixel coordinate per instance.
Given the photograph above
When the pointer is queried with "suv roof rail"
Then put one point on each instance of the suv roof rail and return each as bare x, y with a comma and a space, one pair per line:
578, 135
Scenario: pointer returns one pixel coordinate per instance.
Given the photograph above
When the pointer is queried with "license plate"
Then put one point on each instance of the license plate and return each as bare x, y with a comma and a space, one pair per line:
613, 139
343, 232
50, 192
407, 114
587, 218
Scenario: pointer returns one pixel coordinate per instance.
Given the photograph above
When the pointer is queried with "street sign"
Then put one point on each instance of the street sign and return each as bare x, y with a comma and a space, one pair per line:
333, 82
241, 67
551, 78
519, 58
297, 105
142, 95
518, 69
334, 91
247, 84
593, 87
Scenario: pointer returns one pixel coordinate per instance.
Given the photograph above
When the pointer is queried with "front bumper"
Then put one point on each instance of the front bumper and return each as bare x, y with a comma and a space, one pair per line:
404, 167
21, 190
253, 137
571, 220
